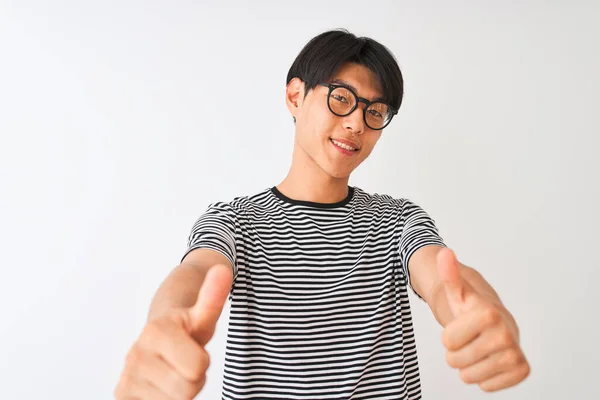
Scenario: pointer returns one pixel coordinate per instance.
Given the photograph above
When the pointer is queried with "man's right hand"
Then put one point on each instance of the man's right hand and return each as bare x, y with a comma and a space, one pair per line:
169, 361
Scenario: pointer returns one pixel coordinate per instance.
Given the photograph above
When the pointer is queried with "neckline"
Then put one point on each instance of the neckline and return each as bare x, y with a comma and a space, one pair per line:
341, 203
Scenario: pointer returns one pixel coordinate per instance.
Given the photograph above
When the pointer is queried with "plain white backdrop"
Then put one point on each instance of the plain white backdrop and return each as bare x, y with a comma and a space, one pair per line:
121, 121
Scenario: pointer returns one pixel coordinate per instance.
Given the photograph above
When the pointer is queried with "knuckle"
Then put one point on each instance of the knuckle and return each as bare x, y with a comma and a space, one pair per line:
465, 377
134, 356
189, 391
505, 338
486, 387
201, 366
153, 331
196, 373
490, 316
205, 360
512, 357
451, 359
526, 370
446, 339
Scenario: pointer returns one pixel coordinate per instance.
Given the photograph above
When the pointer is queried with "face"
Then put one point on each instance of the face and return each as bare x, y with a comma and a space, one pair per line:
337, 145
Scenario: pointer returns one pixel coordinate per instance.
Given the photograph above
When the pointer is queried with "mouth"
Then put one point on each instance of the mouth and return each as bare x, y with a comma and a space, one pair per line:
344, 145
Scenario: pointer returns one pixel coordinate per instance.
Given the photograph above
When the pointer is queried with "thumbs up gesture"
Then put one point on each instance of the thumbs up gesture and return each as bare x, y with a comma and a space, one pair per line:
482, 340
169, 361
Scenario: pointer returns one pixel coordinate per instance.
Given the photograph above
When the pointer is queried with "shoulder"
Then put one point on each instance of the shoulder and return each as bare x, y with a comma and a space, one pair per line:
242, 203
380, 201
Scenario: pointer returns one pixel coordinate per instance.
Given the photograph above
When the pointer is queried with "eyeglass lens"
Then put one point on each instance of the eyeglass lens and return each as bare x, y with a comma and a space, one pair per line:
342, 102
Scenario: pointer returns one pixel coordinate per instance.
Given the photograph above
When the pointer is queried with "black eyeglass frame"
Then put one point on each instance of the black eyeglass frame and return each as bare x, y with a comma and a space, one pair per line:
333, 86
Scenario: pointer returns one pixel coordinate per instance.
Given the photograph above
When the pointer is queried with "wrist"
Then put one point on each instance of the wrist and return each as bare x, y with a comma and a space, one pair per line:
437, 301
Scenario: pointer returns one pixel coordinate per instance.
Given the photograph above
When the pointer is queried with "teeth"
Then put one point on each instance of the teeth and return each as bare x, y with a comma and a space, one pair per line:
342, 145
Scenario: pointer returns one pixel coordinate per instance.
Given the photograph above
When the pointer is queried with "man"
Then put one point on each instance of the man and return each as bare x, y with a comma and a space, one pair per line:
317, 271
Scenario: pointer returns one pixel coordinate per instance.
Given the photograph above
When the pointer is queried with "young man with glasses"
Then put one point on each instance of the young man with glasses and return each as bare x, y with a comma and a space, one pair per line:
317, 271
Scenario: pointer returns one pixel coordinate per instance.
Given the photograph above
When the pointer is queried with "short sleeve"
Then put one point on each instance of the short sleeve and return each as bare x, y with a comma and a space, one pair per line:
418, 230
215, 230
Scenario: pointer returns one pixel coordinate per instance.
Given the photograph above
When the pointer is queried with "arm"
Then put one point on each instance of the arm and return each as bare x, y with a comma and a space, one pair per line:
169, 358
426, 281
180, 288
480, 335
211, 242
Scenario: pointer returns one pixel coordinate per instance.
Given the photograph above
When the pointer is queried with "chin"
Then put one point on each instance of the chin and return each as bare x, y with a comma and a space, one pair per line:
338, 172
337, 168
340, 175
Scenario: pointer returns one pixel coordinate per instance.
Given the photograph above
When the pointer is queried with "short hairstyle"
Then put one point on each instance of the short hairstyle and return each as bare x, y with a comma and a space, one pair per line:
323, 55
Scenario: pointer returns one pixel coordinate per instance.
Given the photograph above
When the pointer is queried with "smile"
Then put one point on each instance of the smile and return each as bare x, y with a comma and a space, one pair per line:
342, 145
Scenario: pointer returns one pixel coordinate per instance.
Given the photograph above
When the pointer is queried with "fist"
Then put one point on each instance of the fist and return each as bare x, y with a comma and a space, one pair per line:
169, 361
482, 340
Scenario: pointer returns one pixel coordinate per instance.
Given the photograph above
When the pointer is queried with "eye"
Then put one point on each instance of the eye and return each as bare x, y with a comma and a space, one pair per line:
375, 114
339, 98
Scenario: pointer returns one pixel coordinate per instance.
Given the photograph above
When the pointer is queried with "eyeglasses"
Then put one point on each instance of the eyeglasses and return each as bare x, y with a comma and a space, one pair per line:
342, 101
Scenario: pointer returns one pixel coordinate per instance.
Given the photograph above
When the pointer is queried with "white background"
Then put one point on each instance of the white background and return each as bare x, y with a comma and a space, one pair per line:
121, 120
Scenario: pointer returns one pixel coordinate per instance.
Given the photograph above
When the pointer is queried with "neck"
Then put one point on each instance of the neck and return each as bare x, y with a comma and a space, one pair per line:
306, 181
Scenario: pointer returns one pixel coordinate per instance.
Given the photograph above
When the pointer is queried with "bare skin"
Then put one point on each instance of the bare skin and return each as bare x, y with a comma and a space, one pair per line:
169, 361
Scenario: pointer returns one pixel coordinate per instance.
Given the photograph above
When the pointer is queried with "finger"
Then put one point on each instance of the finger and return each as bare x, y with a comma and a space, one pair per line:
160, 374
499, 362
177, 348
146, 390
130, 388
468, 326
479, 348
449, 272
506, 379
211, 300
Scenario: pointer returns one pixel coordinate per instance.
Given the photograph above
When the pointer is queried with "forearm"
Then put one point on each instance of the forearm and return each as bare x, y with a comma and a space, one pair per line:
179, 290
438, 301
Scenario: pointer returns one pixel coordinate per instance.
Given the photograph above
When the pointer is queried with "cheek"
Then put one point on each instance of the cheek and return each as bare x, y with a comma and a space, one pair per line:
328, 124
320, 124
371, 142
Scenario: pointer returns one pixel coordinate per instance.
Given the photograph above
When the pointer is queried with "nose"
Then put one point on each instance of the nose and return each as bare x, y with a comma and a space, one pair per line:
354, 121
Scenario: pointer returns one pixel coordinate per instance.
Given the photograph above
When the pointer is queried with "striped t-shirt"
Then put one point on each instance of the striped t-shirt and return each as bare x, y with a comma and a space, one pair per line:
319, 303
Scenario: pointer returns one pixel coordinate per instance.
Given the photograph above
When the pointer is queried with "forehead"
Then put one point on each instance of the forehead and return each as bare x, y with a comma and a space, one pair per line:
361, 79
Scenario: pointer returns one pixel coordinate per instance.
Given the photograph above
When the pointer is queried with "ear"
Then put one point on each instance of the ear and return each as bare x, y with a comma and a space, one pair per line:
294, 94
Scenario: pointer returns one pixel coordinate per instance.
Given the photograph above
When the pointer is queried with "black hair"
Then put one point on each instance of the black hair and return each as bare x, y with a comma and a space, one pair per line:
324, 54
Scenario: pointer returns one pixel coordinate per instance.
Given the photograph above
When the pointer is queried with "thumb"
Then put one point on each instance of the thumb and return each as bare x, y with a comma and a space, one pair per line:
211, 299
454, 285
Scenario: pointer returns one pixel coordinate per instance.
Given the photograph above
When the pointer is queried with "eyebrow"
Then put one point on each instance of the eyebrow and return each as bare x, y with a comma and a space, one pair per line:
343, 82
